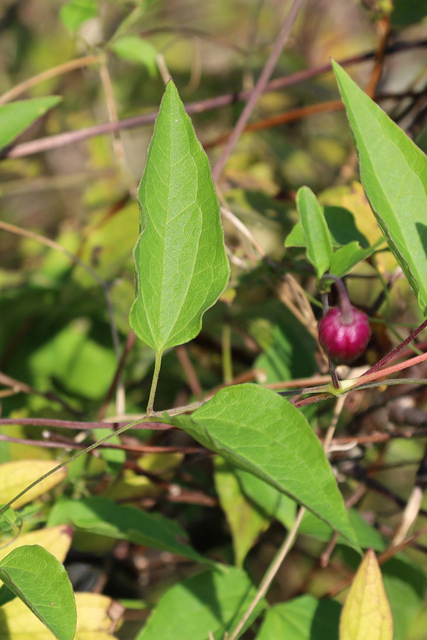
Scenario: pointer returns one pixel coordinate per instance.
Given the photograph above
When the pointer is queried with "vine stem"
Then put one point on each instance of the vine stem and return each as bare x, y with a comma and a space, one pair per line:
154, 382
271, 572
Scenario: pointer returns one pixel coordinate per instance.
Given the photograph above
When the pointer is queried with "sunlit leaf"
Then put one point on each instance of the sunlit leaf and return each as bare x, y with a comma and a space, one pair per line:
186, 612
303, 618
261, 432
319, 243
181, 265
18, 116
95, 620
16, 476
366, 612
25, 570
104, 517
394, 175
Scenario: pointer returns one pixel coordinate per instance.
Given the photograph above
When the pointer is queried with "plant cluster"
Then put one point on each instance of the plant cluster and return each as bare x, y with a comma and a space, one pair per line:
234, 416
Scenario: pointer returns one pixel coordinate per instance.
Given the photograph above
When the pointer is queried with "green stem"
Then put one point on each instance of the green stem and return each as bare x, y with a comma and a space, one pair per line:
155, 380
227, 363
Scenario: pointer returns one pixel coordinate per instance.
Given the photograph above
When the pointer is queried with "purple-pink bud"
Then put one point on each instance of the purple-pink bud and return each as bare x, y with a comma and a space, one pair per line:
344, 341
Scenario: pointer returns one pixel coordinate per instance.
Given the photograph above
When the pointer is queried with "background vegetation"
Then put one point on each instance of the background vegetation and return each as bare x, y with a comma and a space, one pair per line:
69, 221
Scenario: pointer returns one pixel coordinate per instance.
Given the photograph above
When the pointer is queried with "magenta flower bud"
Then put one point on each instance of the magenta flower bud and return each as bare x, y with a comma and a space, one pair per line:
344, 336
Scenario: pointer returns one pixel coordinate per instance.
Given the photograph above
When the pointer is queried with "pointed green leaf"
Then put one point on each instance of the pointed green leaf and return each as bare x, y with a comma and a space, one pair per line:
261, 432
319, 243
366, 612
394, 175
212, 602
107, 518
18, 116
349, 256
181, 265
303, 618
342, 228
40, 580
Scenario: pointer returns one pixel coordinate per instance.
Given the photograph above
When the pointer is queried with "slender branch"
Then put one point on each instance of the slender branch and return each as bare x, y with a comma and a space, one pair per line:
47, 75
66, 462
22, 387
83, 426
71, 137
52, 444
118, 373
397, 349
259, 87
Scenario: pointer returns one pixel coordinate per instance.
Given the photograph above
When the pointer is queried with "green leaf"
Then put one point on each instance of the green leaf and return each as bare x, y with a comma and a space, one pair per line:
107, 518
303, 618
181, 265
261, 432
211, 602
74, 13
406, 12
246, 521
289, 349
342, 228
348, 256
406, 585
15, 117
272, 501
135, 49
41, 582
394, 175
367, 536
6, 595
319, 243
366, 612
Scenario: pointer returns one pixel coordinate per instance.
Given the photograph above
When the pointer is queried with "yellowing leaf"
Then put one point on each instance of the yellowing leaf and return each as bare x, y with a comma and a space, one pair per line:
245, 519
56, 540
366, 614
131, 486
97, 618
16, 476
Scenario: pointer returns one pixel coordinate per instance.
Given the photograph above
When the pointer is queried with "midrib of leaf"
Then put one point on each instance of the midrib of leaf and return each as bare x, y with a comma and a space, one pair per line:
164, 300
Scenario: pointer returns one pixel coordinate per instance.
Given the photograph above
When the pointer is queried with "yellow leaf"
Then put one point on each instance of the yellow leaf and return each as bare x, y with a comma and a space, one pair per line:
366, 614
56, 540
97, 618
16, 476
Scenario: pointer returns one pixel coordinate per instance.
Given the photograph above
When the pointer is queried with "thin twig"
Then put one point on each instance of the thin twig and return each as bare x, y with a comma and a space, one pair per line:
49, 444
82, 426
71, 137
259, 87
22, 387
271, 572
66, 67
